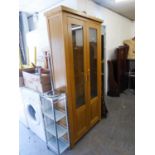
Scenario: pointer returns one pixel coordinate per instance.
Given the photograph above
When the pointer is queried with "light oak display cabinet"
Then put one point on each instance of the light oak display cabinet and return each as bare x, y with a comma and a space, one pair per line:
75, 42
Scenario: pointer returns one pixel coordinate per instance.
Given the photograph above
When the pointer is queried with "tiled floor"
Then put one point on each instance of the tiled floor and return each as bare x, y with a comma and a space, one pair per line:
112, 136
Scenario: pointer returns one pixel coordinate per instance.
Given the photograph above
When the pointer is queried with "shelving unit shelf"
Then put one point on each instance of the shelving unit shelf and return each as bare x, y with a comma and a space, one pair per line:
52, 143
59, 115
61, 130
57, 135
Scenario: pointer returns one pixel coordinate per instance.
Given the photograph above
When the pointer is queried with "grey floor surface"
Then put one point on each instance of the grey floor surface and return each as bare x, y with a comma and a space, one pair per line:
114, 135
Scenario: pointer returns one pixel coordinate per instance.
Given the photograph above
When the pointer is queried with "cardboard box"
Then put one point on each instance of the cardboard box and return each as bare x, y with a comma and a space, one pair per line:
39, 83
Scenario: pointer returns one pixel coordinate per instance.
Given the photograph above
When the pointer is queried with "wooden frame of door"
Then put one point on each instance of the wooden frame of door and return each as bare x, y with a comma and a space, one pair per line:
80, 119
95, 103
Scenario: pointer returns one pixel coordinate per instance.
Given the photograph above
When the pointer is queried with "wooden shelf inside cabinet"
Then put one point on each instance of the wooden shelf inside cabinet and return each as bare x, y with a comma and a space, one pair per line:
63, 145
61, 130
58, 114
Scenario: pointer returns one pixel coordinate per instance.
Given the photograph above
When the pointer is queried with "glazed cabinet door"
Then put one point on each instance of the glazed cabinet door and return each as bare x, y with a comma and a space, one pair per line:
78, 75
94, 72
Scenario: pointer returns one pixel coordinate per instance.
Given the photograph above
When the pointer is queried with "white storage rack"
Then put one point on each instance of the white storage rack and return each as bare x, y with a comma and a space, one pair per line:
57, 135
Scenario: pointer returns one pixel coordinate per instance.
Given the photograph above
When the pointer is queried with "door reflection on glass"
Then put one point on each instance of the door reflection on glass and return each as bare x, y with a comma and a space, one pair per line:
93, 61
78, 60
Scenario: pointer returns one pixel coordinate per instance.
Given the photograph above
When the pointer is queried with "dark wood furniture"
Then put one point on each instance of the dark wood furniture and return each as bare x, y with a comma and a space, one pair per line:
113, 88
131, 73
118, 69
121, 58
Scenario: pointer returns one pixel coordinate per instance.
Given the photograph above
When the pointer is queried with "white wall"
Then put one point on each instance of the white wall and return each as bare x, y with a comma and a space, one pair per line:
40, 34
133, 28
118, 28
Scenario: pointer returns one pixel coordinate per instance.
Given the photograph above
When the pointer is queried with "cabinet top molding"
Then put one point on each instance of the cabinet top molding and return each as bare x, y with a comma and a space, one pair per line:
62, 8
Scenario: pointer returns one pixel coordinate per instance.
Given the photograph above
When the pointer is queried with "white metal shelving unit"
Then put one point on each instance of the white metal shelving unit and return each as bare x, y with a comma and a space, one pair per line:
57, 135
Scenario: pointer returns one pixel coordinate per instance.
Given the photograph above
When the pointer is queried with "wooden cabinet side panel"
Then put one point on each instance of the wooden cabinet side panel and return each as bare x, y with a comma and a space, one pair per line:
68, 81
57, 49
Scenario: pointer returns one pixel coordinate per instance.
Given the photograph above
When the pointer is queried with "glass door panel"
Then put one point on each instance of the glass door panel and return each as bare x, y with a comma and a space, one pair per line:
93, 61
78, 62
